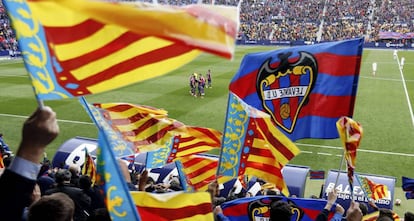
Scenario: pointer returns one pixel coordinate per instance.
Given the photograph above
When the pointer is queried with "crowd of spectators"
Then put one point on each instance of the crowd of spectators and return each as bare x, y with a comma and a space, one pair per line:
296, 20
7, 37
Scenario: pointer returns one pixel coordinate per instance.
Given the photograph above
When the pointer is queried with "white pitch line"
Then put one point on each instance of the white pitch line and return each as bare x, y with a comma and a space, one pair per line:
64, 121
359, 150
300, 144
326, 154
405, 90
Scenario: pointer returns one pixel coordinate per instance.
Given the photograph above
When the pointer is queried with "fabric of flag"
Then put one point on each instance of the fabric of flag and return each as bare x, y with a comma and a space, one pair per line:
118, 200
89, 167
350, 133
253, 145
1, 161
77, 47
305, 89
374, 215
199, 171
3, 144
191, 140
408, 187
407, 184
372, 190
174, 206
120, 146
145, 127
257, 208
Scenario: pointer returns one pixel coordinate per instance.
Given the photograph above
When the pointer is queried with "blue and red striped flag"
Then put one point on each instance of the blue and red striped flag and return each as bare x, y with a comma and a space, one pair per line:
79, 47
257, 208
305, 89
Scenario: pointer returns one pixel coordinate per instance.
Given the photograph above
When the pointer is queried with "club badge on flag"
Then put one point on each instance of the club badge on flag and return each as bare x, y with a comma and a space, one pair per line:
305, 89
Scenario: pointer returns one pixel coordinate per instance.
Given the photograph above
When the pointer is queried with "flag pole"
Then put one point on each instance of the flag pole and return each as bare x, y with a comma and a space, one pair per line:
222, 138
340, 168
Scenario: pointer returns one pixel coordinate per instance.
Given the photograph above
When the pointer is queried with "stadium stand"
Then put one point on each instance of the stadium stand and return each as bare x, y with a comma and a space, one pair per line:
298, 20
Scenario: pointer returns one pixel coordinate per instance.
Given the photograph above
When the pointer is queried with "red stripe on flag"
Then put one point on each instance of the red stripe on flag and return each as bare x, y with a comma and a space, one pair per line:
328, 64
62, 35
272, 170
177, 213
123, 41
151, 57
204, 182
115, 108
130, 120
338, 106
280, 147
261, 152
202, 170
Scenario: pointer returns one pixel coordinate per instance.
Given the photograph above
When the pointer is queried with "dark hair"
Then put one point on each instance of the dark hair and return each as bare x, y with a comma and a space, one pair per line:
54, 207
408, 216
85, 182
280, 211
383, 212
364, 208
63, 175
384, 218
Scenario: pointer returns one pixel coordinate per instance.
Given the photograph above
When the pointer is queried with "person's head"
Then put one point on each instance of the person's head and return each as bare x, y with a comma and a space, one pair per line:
280, 211
45, 183
408, 216
383, 212
63, 176
85, 182
54, 207
384, 218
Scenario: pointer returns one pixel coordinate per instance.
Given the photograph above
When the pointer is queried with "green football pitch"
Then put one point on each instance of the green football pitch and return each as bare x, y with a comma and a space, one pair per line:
383, 107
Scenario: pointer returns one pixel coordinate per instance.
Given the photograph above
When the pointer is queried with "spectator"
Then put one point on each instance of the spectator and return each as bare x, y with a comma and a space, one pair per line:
54, 207
94, 192
19, 179
339, 210
81, 200
280, 211
408, 216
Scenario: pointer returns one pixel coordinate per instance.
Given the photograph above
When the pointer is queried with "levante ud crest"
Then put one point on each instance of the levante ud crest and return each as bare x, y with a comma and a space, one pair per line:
284, 87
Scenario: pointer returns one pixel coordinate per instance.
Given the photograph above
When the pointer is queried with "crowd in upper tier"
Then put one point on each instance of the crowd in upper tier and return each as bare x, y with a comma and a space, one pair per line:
311, 20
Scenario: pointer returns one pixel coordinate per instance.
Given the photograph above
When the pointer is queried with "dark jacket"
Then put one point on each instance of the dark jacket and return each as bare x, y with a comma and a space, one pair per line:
15, 195
81, 200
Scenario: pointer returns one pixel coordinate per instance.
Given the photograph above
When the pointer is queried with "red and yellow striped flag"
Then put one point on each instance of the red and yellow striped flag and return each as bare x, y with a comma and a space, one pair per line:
350, 133
372, 190
253, 145
1, 161
78, 47
174, 206
89, 167
199, 171
147, 128
190, 140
